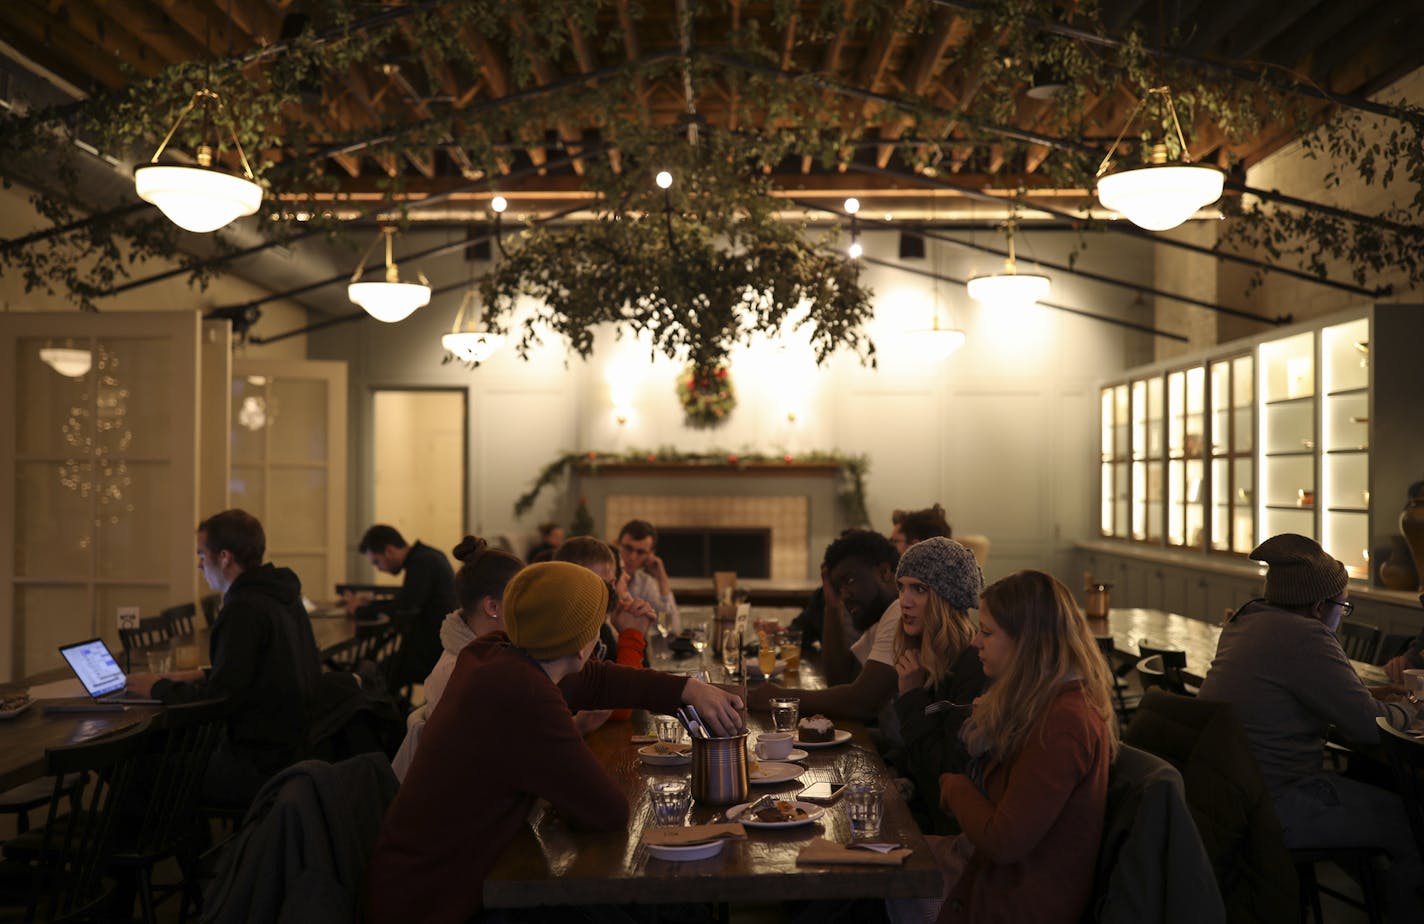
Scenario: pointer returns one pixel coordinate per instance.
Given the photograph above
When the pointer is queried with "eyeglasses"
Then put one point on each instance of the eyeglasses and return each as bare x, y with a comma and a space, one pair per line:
613, 598
600, 650
1346, 607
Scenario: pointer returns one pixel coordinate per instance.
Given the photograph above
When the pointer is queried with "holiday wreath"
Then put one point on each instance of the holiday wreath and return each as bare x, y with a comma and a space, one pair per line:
706, 395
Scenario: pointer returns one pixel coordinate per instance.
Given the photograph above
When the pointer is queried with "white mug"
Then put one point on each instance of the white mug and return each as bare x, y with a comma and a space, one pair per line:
774, 745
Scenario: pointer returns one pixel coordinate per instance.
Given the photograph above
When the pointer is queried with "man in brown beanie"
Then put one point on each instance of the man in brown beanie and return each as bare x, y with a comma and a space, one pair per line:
503, 736
1288, 680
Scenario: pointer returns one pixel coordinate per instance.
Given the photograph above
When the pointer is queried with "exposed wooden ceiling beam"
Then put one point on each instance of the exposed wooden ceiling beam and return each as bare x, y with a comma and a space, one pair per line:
950, 30
68, 46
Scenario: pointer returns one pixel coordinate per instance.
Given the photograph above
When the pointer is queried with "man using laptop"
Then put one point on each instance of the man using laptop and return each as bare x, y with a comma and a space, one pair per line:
426, 595
264, 659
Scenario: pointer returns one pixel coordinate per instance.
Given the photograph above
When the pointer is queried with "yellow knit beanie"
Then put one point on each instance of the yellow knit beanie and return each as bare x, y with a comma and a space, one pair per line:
554, 608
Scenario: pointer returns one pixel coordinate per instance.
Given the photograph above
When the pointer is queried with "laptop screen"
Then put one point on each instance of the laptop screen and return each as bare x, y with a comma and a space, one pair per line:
95, 666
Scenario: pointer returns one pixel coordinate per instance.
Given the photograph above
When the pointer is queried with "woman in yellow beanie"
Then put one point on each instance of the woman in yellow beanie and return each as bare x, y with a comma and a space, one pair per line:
504, 737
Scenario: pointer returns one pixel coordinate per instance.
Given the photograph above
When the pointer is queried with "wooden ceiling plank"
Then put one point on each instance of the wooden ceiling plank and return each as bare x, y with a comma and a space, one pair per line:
109, 36
788, 42
831, 59
422, 161
631, 53
78, 55
877, 56
1390, 33
1211, 30
259, 24
164, 35
950, 31
584, 55
1273, 20
1310, 32
545, 74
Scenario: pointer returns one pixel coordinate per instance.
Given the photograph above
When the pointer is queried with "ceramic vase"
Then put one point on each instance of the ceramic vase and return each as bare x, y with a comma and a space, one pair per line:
1396, 570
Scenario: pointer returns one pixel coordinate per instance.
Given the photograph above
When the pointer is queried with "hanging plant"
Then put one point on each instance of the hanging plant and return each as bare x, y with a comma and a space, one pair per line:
706, 395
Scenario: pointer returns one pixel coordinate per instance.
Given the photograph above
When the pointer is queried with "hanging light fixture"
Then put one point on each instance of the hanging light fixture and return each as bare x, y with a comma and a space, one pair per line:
852, 208
391, 300
67, 360
1159, 195
199, 198
472, 345
1009, 288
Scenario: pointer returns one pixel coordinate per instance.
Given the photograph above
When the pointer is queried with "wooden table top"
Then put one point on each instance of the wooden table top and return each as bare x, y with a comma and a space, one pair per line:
24, 739
550, 864
1131, 625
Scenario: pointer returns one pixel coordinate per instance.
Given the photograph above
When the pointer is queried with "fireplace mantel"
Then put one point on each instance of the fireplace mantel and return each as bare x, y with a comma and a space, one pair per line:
704, 469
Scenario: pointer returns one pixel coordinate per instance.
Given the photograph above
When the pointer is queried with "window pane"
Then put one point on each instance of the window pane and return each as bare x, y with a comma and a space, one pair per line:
300, 496
134, 404
133, 520
50, 616
53, 523
298, 420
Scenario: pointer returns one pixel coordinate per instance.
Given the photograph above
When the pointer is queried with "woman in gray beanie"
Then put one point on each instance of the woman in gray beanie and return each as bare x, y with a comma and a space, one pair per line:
1281, 667
939, 583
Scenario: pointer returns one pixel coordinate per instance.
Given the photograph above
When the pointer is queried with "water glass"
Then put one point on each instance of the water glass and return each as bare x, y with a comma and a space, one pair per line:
784, 713
699, 638
160, 661
670, 799
790, 642
731, 653
669, 728
864, 802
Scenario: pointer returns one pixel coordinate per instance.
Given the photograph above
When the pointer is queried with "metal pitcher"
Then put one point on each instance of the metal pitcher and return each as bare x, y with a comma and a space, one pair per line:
719, 770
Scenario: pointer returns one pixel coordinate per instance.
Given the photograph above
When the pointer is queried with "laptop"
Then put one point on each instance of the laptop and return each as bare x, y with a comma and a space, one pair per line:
94, 665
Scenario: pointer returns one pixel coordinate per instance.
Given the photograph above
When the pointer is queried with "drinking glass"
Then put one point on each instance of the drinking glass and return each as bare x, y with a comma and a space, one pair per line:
784, 713
670, 799
668, 728
160, 660
731, 653
790, 642
699, 640
864, 801
766, 658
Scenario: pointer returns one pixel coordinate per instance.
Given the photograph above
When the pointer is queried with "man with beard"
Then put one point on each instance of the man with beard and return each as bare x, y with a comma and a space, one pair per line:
860, 588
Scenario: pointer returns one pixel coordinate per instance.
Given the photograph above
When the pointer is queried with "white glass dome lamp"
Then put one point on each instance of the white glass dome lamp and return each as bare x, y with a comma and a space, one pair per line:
1009, 288
201, 197
69, 361
1161, 194
391, 300
470, 345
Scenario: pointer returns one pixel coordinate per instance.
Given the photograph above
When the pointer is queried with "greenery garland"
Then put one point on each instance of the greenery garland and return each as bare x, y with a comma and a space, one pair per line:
706, 396
850, 493
271, 92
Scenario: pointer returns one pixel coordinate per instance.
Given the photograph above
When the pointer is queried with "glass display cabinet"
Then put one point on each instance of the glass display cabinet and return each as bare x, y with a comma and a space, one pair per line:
1314, 429
1186, 442
1233, 429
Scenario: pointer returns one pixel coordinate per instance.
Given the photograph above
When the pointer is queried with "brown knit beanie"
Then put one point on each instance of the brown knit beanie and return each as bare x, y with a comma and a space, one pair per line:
1300, 571
554, 608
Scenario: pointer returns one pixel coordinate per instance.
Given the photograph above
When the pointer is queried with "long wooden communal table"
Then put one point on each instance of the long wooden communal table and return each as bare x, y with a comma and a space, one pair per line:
25, 738
551, 864
1160, 629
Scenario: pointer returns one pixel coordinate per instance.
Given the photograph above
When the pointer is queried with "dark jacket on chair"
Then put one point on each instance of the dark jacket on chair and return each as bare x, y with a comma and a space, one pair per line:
1151, 865
302, 852
1229, 801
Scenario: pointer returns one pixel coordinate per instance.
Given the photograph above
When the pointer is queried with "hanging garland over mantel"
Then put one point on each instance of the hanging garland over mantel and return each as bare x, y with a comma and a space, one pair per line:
851, 470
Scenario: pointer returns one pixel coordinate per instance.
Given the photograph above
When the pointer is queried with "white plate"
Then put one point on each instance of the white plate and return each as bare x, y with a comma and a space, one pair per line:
795, 755
842, 736
770, 772
18, 710
685, 852
658, 759
812, 810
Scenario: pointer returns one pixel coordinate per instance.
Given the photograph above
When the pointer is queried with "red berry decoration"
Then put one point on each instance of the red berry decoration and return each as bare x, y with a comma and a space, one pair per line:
732, 458
706, 395
786, 458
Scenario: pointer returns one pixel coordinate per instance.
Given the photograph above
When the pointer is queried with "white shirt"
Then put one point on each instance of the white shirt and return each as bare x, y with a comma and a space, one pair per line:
645, 587
878, 642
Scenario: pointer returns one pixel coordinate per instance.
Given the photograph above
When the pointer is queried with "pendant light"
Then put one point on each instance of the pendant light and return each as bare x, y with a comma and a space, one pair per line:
391, 300
68, 360
472, 345
1162, 194
199, 198
1009, 288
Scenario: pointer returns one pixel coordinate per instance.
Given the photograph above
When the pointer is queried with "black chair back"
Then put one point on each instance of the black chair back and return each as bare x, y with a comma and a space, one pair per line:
182, 618
211, 604
1406, 756
77, 847
1391, 646
1173, 665
1359, 640
152, 631
179, 749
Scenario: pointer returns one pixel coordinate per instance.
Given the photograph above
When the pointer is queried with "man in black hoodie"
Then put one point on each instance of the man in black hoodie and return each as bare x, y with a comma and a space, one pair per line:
264, 659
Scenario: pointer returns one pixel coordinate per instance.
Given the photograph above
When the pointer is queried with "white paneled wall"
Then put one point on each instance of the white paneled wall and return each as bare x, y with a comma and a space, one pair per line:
1000, 432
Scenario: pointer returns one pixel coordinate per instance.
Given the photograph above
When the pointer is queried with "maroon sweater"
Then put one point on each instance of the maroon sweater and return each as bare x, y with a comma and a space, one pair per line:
501, 737
1036, 835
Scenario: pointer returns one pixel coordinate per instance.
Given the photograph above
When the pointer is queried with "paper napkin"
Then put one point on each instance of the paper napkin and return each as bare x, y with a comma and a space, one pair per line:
820, 850
693, 834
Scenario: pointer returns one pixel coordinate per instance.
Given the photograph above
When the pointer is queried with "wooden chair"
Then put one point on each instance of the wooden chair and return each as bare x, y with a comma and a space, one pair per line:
1172, 664
68, 857
1359, 640
182, 619
178, 752
1390, 647
211, 604
1123, 704
1359, 862
152, 631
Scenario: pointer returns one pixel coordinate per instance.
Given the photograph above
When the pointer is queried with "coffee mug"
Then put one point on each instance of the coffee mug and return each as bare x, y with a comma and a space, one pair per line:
774, 745
1414, 679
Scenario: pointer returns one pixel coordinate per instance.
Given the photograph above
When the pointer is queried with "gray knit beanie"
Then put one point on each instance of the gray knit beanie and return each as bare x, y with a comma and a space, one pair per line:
948, 568
1300, 572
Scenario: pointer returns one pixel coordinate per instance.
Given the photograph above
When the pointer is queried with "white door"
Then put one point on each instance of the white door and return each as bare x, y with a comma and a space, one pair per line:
98, 475
288, 426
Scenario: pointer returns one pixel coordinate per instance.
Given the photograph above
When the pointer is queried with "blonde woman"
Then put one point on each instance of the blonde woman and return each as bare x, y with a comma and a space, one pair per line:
939, 671
1040, 741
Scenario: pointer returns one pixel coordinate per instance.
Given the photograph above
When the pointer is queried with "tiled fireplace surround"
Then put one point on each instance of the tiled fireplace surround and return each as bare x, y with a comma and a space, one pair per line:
799, 507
